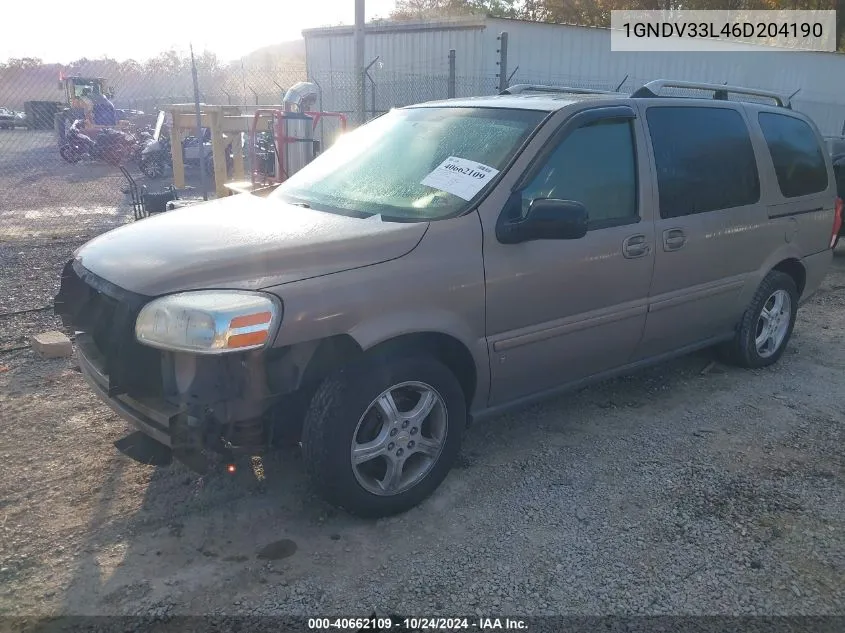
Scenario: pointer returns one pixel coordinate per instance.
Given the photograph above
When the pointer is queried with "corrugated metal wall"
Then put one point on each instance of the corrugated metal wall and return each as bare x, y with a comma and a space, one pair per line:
582, 56
414, 64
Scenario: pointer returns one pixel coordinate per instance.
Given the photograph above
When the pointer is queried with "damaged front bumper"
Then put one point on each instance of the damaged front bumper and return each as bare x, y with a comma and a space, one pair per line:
196, 406
154, 418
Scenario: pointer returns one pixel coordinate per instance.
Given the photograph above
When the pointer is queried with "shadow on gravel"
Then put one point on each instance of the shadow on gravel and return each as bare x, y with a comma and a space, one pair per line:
192, 538
86, 573
144, 450
191, 533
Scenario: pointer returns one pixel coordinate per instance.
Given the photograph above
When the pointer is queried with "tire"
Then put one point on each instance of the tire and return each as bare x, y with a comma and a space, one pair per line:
743, 349
344, 406
152, 167
70, 154
113, 157
116, 154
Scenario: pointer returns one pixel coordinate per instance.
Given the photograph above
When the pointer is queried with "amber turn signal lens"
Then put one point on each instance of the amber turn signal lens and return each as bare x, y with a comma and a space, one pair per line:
250, 319
246, 340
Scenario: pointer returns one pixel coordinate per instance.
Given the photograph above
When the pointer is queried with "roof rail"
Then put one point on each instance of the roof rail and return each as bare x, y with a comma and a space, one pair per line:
720, 91
520, 88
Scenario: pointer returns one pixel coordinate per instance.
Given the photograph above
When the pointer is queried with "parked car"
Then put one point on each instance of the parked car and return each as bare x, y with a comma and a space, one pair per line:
449, 261
836, 149
835, 145
10, 119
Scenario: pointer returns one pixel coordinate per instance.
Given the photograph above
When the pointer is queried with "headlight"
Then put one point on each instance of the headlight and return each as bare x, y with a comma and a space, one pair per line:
208, 321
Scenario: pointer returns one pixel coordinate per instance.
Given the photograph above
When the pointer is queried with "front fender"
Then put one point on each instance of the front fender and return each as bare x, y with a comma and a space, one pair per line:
403, 323
390, 326
437, 287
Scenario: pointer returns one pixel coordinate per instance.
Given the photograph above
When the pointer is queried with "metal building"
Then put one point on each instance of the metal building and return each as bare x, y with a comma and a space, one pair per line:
410, 63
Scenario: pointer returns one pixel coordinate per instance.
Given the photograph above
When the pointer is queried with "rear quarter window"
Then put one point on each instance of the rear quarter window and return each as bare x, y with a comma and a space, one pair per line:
796, 154
704, 159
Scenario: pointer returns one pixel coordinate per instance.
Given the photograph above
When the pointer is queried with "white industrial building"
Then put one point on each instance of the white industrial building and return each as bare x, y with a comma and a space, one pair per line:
413, 64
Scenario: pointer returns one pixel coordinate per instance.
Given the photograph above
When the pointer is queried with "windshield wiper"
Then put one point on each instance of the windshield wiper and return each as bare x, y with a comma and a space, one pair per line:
304, 205
401, 219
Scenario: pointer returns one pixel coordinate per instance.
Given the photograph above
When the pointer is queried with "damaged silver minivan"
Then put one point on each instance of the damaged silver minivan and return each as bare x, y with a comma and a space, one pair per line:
447, 261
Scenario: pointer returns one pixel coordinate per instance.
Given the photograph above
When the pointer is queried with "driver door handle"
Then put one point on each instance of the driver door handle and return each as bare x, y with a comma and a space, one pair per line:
673, 239
635, 246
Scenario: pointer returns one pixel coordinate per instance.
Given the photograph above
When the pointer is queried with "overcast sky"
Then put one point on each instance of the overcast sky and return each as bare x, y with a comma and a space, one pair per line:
62, 32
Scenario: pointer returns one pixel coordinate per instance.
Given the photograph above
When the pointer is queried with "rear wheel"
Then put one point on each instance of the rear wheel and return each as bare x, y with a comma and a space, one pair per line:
767, 325
380, 436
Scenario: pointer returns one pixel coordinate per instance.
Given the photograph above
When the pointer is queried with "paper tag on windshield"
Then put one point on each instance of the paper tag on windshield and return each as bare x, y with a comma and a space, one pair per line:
460, 177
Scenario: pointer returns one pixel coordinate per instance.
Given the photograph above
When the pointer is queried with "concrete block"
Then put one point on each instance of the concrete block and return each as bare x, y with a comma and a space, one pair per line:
51, 345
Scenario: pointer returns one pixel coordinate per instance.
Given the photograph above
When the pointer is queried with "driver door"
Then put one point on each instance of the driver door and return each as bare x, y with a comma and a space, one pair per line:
560, 310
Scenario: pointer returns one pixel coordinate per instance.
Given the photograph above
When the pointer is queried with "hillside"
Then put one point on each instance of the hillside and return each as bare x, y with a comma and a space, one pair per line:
270, 56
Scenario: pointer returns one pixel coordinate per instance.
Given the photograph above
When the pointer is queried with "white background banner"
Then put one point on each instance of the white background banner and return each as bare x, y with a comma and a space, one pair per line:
722, 30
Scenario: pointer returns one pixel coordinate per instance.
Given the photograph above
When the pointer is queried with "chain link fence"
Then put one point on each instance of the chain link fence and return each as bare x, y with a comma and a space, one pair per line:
44, 199
43, 195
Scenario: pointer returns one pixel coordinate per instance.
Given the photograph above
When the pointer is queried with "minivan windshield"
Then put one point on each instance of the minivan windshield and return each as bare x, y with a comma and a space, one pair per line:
412, 164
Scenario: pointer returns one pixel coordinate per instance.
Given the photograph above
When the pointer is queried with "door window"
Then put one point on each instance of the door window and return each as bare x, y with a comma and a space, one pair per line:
704, 160
594, 165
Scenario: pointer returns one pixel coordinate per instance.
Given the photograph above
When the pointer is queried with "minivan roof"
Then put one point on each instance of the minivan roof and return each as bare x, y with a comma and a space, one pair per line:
549, 102
525, 101
551, 98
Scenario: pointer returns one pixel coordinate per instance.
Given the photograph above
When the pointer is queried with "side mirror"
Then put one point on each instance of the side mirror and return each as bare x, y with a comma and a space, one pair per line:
547, 219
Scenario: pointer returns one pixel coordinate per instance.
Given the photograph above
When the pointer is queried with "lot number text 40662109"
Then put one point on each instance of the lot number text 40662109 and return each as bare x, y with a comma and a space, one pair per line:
418, 624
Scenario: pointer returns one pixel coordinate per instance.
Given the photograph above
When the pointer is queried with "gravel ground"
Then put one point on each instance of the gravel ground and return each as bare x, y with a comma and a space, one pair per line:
43, 197
690, 488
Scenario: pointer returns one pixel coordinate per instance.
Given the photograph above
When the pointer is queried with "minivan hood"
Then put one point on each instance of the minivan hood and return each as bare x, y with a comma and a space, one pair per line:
244, 242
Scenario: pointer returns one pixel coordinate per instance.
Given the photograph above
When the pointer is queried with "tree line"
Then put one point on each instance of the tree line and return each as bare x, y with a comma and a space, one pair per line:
164, 77
262, 76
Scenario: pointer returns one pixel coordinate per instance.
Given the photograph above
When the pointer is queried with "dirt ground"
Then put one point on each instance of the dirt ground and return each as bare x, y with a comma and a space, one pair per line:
688, 488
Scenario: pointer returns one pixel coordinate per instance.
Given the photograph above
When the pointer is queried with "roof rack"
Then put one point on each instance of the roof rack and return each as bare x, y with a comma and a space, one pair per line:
720, 91
520, 88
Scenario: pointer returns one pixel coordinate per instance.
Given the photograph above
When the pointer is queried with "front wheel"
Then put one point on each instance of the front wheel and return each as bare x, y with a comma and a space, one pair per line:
68, 153
766, 325
382, 434
116, 154
152, 166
